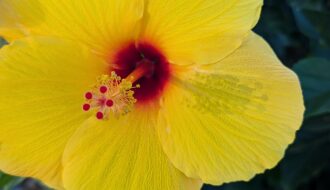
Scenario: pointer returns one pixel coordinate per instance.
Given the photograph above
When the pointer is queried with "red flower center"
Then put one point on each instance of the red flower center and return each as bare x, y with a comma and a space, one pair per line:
152, 76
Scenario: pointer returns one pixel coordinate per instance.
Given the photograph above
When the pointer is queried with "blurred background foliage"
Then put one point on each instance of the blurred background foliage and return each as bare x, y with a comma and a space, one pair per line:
299, 32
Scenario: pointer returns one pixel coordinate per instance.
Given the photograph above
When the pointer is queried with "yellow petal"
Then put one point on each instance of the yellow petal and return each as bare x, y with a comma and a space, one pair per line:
231, 120
121, 153
103, 24
42, 85
199, 31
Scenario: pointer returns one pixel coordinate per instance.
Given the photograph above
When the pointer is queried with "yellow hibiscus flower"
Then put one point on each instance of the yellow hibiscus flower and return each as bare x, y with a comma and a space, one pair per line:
141, 94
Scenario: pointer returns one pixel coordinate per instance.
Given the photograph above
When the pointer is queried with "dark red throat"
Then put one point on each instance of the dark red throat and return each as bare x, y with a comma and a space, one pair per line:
154, 81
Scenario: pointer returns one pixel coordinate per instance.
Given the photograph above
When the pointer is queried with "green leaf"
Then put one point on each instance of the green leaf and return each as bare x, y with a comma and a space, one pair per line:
308, 4
305, 25
315, 80
312, 19
2, 42
8, 182
309, 155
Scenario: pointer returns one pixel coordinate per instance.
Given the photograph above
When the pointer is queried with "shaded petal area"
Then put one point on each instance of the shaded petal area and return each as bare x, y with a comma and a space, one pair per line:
121, 153
231, 120
199, 31
42, 84
103, 25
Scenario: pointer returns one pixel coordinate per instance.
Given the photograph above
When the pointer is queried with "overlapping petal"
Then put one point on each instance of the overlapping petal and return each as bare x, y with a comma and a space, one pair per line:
188, 31
229, 121
121, 153
199, 31
16, 16
42, 83
103, 25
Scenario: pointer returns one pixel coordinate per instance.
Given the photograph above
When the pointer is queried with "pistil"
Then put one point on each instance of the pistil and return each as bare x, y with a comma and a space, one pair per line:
114, 95
144, 68
111, 95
